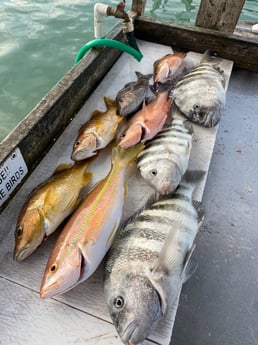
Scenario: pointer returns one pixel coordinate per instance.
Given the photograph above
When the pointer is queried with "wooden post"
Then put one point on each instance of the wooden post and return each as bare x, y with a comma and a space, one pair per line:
138, 6
221, 15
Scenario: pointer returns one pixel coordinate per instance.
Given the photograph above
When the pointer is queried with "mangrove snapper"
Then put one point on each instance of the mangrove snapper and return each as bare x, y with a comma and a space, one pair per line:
147, 122
200, 95
47, 206
149, 261
165, 158
167, 67
130, 98
98, 132
88, 234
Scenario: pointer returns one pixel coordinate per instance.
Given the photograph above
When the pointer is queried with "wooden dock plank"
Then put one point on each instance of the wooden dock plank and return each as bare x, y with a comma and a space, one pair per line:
87, 297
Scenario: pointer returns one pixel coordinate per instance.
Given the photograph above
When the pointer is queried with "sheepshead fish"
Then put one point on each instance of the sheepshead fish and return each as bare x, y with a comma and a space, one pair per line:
47, 206
148, 262
130, 98
89, 232
200, 95
165, 158
167, 67
147, 122
98, 132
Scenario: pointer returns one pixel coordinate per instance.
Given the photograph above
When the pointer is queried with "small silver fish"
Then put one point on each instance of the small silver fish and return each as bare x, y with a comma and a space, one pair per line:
130, 98
165, 158
149, 261
200, 95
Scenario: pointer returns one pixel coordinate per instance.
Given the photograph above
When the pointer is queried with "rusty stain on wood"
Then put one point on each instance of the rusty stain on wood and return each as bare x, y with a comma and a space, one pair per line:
243, 51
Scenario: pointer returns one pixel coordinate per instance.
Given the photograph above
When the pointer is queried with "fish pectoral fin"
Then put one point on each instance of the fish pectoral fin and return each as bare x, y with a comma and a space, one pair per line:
156, 279
111, 235
62, 167
83, 249
87, 177
189, 266
50, 197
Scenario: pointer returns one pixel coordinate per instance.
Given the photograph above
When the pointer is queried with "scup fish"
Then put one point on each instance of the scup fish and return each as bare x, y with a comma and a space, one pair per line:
167, 67
148, 262
130, 98
98, 132
89, 232
147, 122
165, 158
47, 206
200, 95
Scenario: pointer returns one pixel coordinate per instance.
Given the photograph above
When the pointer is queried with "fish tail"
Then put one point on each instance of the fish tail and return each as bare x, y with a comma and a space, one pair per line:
209, 56
193, 176
123, 157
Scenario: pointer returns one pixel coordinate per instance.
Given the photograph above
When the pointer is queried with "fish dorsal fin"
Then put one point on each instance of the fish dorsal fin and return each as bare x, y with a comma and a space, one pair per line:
189, 266
96, 113
62, 167
143, 76
200, 211
110, 103
150, 201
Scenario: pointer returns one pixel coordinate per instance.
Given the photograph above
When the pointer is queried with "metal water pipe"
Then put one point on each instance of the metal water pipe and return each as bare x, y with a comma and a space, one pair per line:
102, 10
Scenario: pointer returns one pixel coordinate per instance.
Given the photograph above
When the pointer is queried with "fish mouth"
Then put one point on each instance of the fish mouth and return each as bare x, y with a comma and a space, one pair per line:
22, 254
127, 335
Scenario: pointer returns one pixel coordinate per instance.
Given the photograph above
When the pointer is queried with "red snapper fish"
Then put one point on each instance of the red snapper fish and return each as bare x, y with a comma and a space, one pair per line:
167, 67
147, 122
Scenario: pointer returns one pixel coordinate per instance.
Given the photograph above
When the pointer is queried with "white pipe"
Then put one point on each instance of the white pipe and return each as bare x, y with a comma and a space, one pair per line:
255, 28
100, 11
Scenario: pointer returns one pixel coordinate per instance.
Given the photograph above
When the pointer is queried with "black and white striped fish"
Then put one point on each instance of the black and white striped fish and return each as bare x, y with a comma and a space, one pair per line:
165, 158
200, 95
148, 263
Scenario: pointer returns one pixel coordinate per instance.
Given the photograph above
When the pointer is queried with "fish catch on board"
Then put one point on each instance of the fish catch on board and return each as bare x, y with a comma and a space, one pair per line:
130, 98
167, 67
147, 122
47, 206
149, 261
165, 158
200, 95
88, 234
98, 132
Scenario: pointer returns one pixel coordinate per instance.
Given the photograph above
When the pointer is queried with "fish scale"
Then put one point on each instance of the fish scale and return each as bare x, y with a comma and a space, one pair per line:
148, 262
165, 158
200, 94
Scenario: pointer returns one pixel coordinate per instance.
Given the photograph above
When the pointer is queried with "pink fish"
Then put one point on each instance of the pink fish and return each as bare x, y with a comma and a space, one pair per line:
147, 122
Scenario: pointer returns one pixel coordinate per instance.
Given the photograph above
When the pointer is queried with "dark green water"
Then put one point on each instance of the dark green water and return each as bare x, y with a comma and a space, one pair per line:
39, 41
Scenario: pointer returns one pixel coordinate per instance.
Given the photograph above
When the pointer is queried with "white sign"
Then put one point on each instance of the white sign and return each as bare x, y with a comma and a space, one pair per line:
12, 172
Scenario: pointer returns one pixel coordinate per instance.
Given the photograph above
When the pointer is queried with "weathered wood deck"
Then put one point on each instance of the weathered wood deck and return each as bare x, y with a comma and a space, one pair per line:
80, 316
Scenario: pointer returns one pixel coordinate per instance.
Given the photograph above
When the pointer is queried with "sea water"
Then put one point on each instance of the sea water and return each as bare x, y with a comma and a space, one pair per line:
40, 39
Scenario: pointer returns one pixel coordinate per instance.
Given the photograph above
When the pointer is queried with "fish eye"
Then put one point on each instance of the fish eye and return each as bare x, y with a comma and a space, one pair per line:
53, 268
123, 135
196, 106
77, 143
19, 231
153, 172
118, 302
